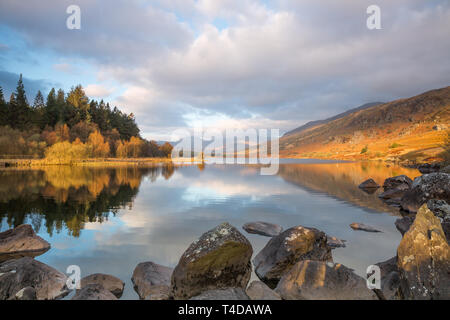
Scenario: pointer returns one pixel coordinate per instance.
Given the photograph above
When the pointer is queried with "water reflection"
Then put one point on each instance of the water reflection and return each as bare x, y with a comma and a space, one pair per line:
68, 197
109, 219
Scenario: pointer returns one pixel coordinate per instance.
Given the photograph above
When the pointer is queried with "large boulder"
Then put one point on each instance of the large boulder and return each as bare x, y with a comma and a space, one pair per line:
263, 228
152, 281
21, 241
319, 280
284, 250
423, 259
258, 290
27, 293
398, 182
18, 274
390, 280
429, 186
220, 258
94, 291
222, 294
110, 283
441, 209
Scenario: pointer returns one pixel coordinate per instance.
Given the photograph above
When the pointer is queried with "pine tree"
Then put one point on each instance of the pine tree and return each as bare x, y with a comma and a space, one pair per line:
39, 101
38, 111
3, 109
20, 111
51, 115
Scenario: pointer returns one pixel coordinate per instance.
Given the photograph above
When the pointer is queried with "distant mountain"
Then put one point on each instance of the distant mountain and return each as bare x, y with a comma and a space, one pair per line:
406, 129
311, 124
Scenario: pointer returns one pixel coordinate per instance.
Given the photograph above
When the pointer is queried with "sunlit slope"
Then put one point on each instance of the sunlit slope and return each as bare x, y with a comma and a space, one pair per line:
405, 129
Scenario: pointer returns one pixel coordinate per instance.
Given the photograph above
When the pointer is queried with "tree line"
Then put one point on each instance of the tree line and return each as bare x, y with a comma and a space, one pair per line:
70, 126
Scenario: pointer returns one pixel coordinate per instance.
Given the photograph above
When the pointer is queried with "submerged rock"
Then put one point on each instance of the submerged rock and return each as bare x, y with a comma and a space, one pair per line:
284, 250
21, 241
152, 281
94, 291
26, 272
369, 185
423, 259
319, 280
398, 182
263, 228
220, 258
429, 186
222, 294
110, 283
363, 227
258, 290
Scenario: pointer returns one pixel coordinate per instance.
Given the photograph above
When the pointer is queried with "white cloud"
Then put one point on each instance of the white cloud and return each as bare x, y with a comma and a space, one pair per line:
98, 91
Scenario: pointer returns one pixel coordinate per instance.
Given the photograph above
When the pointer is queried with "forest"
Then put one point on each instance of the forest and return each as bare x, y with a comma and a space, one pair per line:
69, 126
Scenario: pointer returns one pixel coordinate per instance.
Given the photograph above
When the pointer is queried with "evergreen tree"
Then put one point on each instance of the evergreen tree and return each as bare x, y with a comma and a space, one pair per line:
21, 110
39, 101
3, 109
38, 110
51, 114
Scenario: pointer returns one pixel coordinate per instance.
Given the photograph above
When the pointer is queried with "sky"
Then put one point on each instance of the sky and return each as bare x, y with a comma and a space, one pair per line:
225, 63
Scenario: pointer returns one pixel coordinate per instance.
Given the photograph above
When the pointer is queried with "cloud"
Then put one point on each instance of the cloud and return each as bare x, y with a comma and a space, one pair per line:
8, 81
245, 63
98, 91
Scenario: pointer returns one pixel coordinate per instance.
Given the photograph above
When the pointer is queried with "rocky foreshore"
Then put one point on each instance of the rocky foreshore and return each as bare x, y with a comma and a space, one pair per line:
296, 263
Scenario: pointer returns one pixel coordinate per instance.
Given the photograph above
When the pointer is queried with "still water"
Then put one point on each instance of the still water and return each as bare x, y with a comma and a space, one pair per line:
107, 220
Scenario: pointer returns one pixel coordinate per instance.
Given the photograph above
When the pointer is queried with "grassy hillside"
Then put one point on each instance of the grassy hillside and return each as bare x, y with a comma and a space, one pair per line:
412, 129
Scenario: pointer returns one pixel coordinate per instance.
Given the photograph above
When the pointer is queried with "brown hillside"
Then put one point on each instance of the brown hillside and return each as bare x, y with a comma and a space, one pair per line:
407, 129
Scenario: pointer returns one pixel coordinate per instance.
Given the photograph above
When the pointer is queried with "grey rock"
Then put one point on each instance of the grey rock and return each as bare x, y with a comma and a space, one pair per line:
395, 193
284, 250
220, 258
402, 182
403, 224
110, 283
334, 242
363, 227
390, 280
423, 259
429, 186
94, 291
222, 294
27, 293
258, 290
263, 228
152, 281
429, 168
21, 241
26, 272
319, 280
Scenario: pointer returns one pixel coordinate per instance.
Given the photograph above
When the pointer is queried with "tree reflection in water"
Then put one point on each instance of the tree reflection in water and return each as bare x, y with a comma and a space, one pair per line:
66, 197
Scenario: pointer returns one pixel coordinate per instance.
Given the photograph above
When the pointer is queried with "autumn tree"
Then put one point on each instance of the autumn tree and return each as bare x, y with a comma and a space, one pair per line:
99, 148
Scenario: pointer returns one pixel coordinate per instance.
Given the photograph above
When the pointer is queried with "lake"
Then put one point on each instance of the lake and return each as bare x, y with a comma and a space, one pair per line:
107, 220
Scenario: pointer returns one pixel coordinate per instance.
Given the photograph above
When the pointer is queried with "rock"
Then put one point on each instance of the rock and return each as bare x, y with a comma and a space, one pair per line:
395, 202
94, 291
27, 293
429, 186
440, 208
334, 242
445, 169
110, 283
363, 227
263, 228
390, 280
220, 258
319, 280
258, 290
396, 193
26, 272
369, 184
403, 224
222, 294
429, 168
402, 182
21, 241
152, 281
423, 258
284, 250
